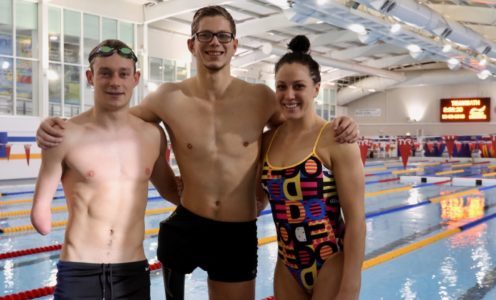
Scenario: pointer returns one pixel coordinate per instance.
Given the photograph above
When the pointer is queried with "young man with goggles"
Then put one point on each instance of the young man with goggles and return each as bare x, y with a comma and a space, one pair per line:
105, 163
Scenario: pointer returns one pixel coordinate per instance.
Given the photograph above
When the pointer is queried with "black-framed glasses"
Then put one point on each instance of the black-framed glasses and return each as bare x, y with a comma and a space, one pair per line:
207, 36
108, 51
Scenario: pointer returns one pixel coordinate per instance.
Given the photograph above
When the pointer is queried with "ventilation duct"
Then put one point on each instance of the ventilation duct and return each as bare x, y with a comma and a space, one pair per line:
411, 12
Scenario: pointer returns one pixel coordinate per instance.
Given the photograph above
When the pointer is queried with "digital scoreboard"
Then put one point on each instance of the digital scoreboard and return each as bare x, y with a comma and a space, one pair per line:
465, 110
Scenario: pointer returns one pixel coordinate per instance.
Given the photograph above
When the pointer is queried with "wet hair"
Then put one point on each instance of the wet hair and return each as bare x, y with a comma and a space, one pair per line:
212, 11
299, 48
116, 44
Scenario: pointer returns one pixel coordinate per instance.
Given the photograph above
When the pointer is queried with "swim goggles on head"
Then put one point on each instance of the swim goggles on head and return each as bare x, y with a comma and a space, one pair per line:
108, 51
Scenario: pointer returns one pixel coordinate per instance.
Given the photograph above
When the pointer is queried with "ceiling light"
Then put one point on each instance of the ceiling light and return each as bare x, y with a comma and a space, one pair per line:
453, 63
483, 74
414, 48
395, 28
358, 28
447, 48
321, 2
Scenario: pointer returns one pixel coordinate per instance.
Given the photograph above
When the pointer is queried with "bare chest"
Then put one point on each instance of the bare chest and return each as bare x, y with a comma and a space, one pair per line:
113, 159
226, 126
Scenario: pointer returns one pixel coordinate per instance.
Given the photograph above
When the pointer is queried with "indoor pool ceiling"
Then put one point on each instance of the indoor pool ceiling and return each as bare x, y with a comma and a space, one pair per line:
363, 46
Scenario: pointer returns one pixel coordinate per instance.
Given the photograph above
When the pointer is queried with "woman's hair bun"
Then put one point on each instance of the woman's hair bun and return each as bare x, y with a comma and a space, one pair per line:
299, 43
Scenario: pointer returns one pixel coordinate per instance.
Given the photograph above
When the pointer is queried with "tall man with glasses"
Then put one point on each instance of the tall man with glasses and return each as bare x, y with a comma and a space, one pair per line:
215, 123
105, 163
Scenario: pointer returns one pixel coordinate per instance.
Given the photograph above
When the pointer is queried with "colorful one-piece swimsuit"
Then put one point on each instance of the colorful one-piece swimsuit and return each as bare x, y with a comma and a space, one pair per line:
306, 212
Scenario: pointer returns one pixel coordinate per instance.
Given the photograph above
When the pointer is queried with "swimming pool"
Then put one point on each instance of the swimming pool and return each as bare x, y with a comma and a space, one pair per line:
455, 263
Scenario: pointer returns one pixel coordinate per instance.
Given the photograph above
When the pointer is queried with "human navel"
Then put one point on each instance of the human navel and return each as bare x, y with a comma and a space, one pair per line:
189, 146
246, 144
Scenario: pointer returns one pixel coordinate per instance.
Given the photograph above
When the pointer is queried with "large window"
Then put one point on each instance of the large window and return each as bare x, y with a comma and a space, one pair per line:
54, 34
18, 57
69, 92
6, 86
165, 70
71, 35
55, 90
109, 29
325, 103
6, 27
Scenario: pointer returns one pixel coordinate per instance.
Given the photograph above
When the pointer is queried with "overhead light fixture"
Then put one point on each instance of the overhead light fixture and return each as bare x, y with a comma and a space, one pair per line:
414, 48
484, 74
453, 63
368, 38
358, 28
416, 52
321, 2
447, 48
395, 28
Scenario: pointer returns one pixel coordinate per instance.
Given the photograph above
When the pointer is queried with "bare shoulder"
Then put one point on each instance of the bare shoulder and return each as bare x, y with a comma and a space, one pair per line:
261, 91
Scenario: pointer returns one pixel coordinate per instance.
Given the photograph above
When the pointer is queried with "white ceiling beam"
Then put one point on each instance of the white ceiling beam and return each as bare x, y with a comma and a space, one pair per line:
344, 65
262, 25
176, 7
385, 62
250, 59
367, 50
334, 37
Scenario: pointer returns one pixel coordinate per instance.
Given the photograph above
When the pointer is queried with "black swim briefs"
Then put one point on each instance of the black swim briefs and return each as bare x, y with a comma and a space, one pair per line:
227, 251
77, 280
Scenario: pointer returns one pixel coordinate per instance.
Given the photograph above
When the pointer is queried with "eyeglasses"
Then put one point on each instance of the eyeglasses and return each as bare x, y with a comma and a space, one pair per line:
108, 51
208, 36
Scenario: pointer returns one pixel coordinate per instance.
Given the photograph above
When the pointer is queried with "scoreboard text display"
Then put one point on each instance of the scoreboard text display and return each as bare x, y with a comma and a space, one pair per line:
466, 110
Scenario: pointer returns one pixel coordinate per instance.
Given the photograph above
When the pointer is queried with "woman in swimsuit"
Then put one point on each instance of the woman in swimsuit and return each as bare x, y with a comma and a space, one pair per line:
315, 187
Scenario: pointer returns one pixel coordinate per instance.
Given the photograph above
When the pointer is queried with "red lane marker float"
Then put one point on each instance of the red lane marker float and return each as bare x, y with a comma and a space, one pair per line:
481, 163
31, 294
30, 251
388, 180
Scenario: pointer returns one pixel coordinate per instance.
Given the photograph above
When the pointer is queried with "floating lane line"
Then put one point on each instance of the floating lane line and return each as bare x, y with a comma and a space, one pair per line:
449, 172
407, 171
420, 244
403, 188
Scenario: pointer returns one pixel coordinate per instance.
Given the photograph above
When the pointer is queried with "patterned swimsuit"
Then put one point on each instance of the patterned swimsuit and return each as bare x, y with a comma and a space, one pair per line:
306, 212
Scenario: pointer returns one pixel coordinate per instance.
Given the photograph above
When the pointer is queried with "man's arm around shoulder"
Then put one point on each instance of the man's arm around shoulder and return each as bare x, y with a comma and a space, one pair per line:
149, 109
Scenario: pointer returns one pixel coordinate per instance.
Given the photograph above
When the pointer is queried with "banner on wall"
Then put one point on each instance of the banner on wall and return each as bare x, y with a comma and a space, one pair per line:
3, 143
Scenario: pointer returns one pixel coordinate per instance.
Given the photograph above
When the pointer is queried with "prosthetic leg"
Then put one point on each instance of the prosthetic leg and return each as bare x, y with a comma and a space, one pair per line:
174, 284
